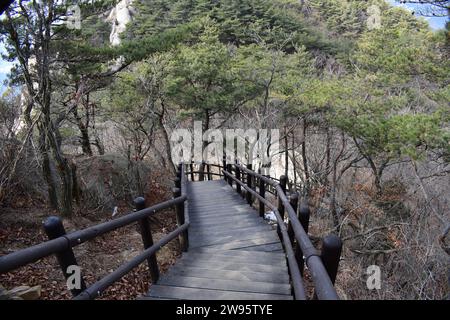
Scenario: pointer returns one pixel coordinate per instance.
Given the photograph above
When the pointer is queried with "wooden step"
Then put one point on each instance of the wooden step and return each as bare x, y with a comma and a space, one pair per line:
238, 275
214, 227
223, 217
246, 233
219, 214
219, 233
230, 265
238, 253
257, 240
272, 261
173, 292
269, 247
233, 253
226, 285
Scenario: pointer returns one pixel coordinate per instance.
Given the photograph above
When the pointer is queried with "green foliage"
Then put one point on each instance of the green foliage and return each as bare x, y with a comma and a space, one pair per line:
399, 54
342, 17
239, 22
137, 49
202, 78
260, 52
387, 88
135, 93
383, 126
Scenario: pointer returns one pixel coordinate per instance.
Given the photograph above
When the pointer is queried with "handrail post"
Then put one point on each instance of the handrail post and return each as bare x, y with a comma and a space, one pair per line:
208, 171
331, 254
191, 166
229, 169
303, 217
249, 184
178, 176
147, 239
262, 193
54, 228
177, 181
224, 166
238, 176
283, 182
294, 204
180, 220
201, 176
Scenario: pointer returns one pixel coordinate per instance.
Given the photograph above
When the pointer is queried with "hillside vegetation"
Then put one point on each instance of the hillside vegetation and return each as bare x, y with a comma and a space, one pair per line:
359, 90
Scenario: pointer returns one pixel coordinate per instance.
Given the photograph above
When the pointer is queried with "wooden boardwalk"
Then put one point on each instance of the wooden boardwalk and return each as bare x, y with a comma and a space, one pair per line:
233, 253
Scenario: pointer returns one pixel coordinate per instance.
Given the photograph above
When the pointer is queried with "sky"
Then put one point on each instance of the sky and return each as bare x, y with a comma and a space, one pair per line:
435, 23
5, 67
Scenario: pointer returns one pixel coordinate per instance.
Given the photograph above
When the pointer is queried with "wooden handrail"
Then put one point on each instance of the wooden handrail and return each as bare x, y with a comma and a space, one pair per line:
62, 244
66, 242
97, 288
324, 286
42, 250
297, 281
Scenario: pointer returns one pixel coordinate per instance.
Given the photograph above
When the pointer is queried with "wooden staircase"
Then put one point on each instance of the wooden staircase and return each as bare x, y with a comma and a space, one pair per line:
233, 253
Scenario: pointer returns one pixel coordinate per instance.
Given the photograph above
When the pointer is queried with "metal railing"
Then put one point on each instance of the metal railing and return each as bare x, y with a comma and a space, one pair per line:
61, 244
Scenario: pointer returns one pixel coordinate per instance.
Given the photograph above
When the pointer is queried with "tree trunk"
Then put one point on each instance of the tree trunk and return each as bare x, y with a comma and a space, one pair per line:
76, 191
46, 169
305, 159
204, 144
327, 158
333, 208
84, 133
377, 172
85, 142
286, 154
294, 161
65, 172
377, 175
168, 148
100, 147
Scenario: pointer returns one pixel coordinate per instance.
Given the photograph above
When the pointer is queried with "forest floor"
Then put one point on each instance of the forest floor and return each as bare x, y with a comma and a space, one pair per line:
21, 227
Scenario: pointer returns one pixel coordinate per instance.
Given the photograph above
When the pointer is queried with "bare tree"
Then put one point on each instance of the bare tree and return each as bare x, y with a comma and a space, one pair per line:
429, 8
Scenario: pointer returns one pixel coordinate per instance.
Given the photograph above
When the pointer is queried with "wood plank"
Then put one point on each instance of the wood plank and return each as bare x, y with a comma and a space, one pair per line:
271, 247
233, 254
226, 285
162, 291
212, 199
205, 240
216, 194
201, 241
279, 277
249, 230
232, 204
218, 214
229, 226
238, 253
272, 261
230, 231
229, 265
152, 298
219, 219
238, 244
208, 222
199, 228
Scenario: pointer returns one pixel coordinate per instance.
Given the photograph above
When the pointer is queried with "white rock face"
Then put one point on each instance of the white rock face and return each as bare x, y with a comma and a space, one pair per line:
119, 17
